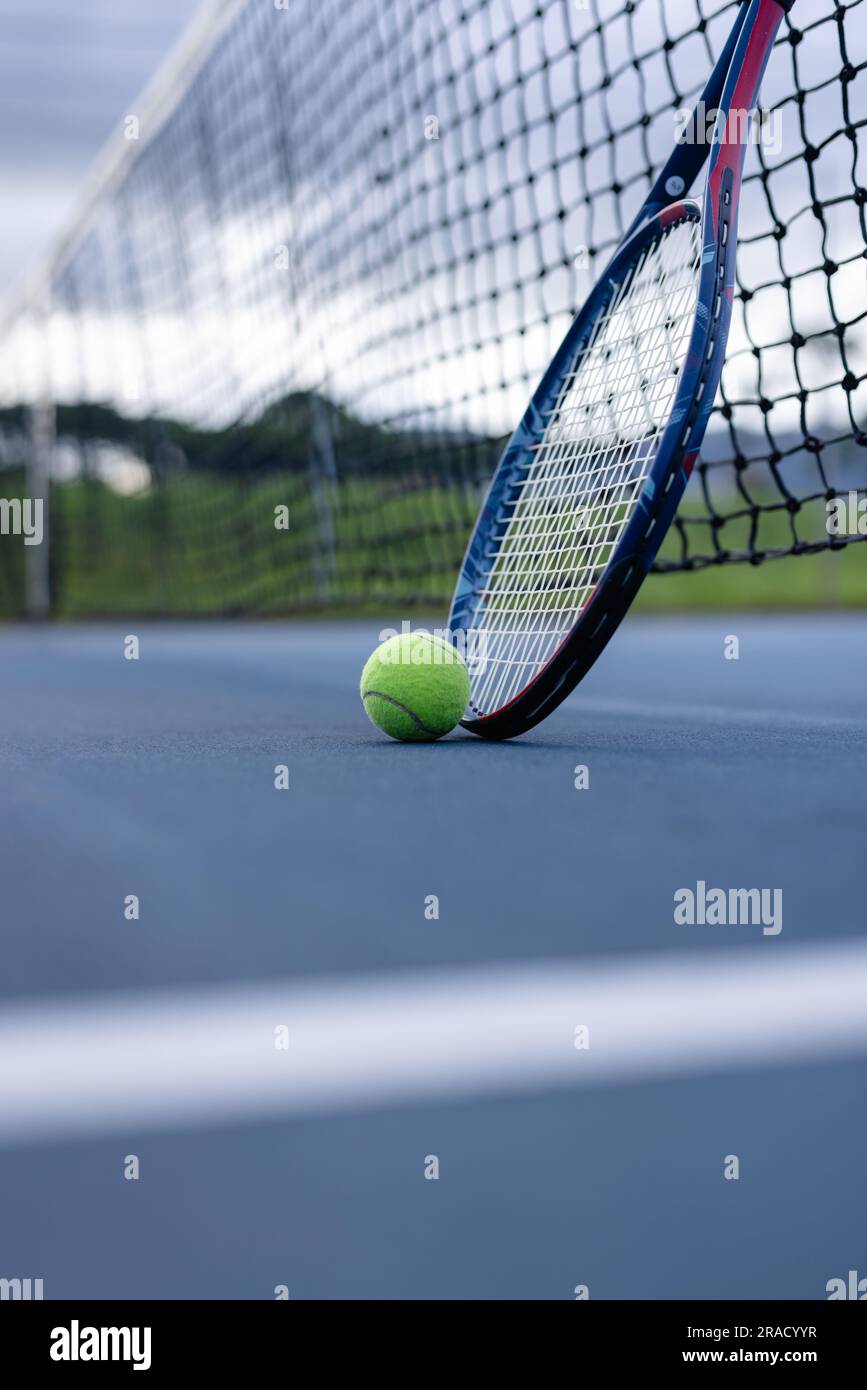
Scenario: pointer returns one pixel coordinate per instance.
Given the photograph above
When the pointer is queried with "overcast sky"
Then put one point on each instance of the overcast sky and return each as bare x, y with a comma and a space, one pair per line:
68, 72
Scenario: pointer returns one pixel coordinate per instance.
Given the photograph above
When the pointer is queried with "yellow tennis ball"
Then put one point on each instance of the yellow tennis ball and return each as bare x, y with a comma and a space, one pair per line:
415, 686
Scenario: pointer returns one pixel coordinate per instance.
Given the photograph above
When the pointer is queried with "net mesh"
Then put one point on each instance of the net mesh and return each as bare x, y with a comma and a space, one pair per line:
331, 253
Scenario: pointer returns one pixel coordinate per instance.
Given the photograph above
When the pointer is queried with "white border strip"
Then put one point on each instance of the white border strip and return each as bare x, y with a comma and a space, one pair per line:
175, 1060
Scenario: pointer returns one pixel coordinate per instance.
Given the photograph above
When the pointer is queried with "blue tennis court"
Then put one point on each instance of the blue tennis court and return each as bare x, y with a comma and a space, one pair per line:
407, 1038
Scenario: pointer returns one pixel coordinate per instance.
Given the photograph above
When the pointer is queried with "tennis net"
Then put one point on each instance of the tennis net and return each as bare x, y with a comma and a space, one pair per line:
325, 259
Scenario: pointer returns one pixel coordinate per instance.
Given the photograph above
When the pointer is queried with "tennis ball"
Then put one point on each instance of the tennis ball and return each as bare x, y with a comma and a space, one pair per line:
415, 686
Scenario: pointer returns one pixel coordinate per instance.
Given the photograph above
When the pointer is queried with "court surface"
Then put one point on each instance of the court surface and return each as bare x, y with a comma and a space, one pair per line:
408, 1037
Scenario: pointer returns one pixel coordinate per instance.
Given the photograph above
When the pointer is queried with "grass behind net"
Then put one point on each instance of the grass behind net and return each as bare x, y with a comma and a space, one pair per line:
204, 546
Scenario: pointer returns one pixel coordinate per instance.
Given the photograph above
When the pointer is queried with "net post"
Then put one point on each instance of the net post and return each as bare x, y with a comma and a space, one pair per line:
323, 479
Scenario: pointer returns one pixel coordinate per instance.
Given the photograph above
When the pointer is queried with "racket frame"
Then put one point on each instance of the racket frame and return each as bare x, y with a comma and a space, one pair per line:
733, 85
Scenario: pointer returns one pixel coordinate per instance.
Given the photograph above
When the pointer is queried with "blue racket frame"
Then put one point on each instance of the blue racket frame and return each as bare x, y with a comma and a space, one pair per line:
733, 84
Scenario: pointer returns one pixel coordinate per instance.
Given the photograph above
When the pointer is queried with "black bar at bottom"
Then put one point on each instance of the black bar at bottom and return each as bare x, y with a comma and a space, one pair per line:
166, 1338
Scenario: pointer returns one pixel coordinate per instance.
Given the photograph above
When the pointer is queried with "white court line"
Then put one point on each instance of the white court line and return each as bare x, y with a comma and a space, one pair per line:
174, 1060
702, 713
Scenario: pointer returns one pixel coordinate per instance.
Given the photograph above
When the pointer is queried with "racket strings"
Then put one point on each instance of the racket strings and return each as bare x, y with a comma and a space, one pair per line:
564, 519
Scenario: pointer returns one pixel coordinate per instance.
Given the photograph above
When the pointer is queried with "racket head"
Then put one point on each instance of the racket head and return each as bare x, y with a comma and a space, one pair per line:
592, 476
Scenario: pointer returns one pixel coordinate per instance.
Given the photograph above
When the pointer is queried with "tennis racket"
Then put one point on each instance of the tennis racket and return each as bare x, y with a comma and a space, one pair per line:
592, 477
